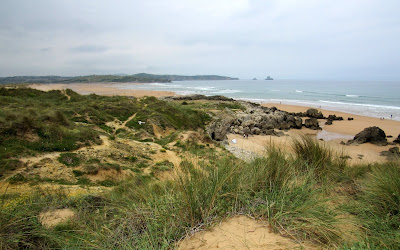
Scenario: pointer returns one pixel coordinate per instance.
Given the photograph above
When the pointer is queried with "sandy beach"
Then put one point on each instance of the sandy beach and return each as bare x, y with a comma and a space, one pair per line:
332, 135
101, 89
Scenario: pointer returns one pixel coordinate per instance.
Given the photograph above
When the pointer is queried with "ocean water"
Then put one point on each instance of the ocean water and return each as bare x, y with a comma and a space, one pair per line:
370, 98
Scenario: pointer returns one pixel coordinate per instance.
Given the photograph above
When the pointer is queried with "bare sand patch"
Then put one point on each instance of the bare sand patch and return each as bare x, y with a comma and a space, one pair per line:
54, 217
107, 89
240, 232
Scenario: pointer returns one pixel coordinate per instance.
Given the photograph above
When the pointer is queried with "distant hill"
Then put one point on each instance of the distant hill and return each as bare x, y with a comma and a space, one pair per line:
142, 77
186, 78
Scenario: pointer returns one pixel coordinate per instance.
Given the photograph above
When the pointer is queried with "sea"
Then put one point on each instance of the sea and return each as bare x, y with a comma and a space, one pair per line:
380, 99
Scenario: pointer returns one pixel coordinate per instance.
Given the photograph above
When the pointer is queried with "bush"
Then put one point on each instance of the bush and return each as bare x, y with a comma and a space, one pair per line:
18, 178
69, 159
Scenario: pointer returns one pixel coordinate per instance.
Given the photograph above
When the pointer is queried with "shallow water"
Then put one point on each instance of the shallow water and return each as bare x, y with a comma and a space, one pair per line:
369, 98
329, 136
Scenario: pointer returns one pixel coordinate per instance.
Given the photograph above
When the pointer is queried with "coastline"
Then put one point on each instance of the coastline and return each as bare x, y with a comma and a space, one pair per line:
106, 89
331, 134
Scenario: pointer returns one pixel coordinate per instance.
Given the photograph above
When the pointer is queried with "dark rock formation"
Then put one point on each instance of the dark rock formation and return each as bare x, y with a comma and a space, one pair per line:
313, 113
372, 135
255, 120
350, 118
392, 153
335, 118
328, 122
397, 140
312, 123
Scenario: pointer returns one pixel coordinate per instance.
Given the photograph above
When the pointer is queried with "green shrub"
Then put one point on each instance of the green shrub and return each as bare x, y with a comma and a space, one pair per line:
77, 173
107, 183
83, 181
69, 159
18, 178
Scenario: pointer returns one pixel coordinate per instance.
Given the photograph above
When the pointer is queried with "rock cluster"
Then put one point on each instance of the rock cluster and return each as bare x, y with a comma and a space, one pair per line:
256, 120
397, 140
332, 118
392, 153
372, 135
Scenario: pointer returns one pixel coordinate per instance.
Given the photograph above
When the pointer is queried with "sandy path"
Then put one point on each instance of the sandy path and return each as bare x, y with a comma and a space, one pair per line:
240, 232
102, 89
117, 124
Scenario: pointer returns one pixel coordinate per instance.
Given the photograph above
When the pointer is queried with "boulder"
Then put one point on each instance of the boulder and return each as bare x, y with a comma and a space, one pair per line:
392, 153
255, 131
350, 118
312, 123
298, 123
328, 122
397, 140
313, 113
335, 118
284, 126
372, 135
218, 128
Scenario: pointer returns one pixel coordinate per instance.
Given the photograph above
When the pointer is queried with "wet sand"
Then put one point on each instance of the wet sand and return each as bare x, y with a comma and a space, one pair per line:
102, 89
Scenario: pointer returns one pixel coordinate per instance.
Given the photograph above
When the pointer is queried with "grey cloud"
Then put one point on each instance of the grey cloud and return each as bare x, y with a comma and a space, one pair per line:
306, 39
88, 49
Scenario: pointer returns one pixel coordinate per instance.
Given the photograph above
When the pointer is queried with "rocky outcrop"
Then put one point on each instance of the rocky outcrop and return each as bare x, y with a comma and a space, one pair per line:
372, 135
255, 120
392, 153
220, 126
397, 140
332, 118
313, 113
312, 123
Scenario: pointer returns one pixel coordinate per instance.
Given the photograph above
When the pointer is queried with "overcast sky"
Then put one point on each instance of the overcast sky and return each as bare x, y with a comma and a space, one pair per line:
287, 39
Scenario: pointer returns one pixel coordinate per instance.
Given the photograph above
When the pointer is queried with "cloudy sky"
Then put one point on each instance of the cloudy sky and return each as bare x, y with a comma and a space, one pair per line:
287, 39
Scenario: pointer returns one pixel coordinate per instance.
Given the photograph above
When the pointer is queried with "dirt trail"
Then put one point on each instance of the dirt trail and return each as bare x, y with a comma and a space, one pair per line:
118, 125
64, 92
240, 232
176, 160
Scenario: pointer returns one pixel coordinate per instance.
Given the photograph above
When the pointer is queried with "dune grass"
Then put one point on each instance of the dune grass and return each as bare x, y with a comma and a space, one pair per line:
140, 213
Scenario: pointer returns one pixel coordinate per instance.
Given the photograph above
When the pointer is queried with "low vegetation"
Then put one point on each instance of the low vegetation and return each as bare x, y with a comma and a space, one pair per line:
312, 195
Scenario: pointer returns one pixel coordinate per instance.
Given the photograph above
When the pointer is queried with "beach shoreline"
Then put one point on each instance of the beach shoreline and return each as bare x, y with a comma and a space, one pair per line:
106, 89
339, 130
